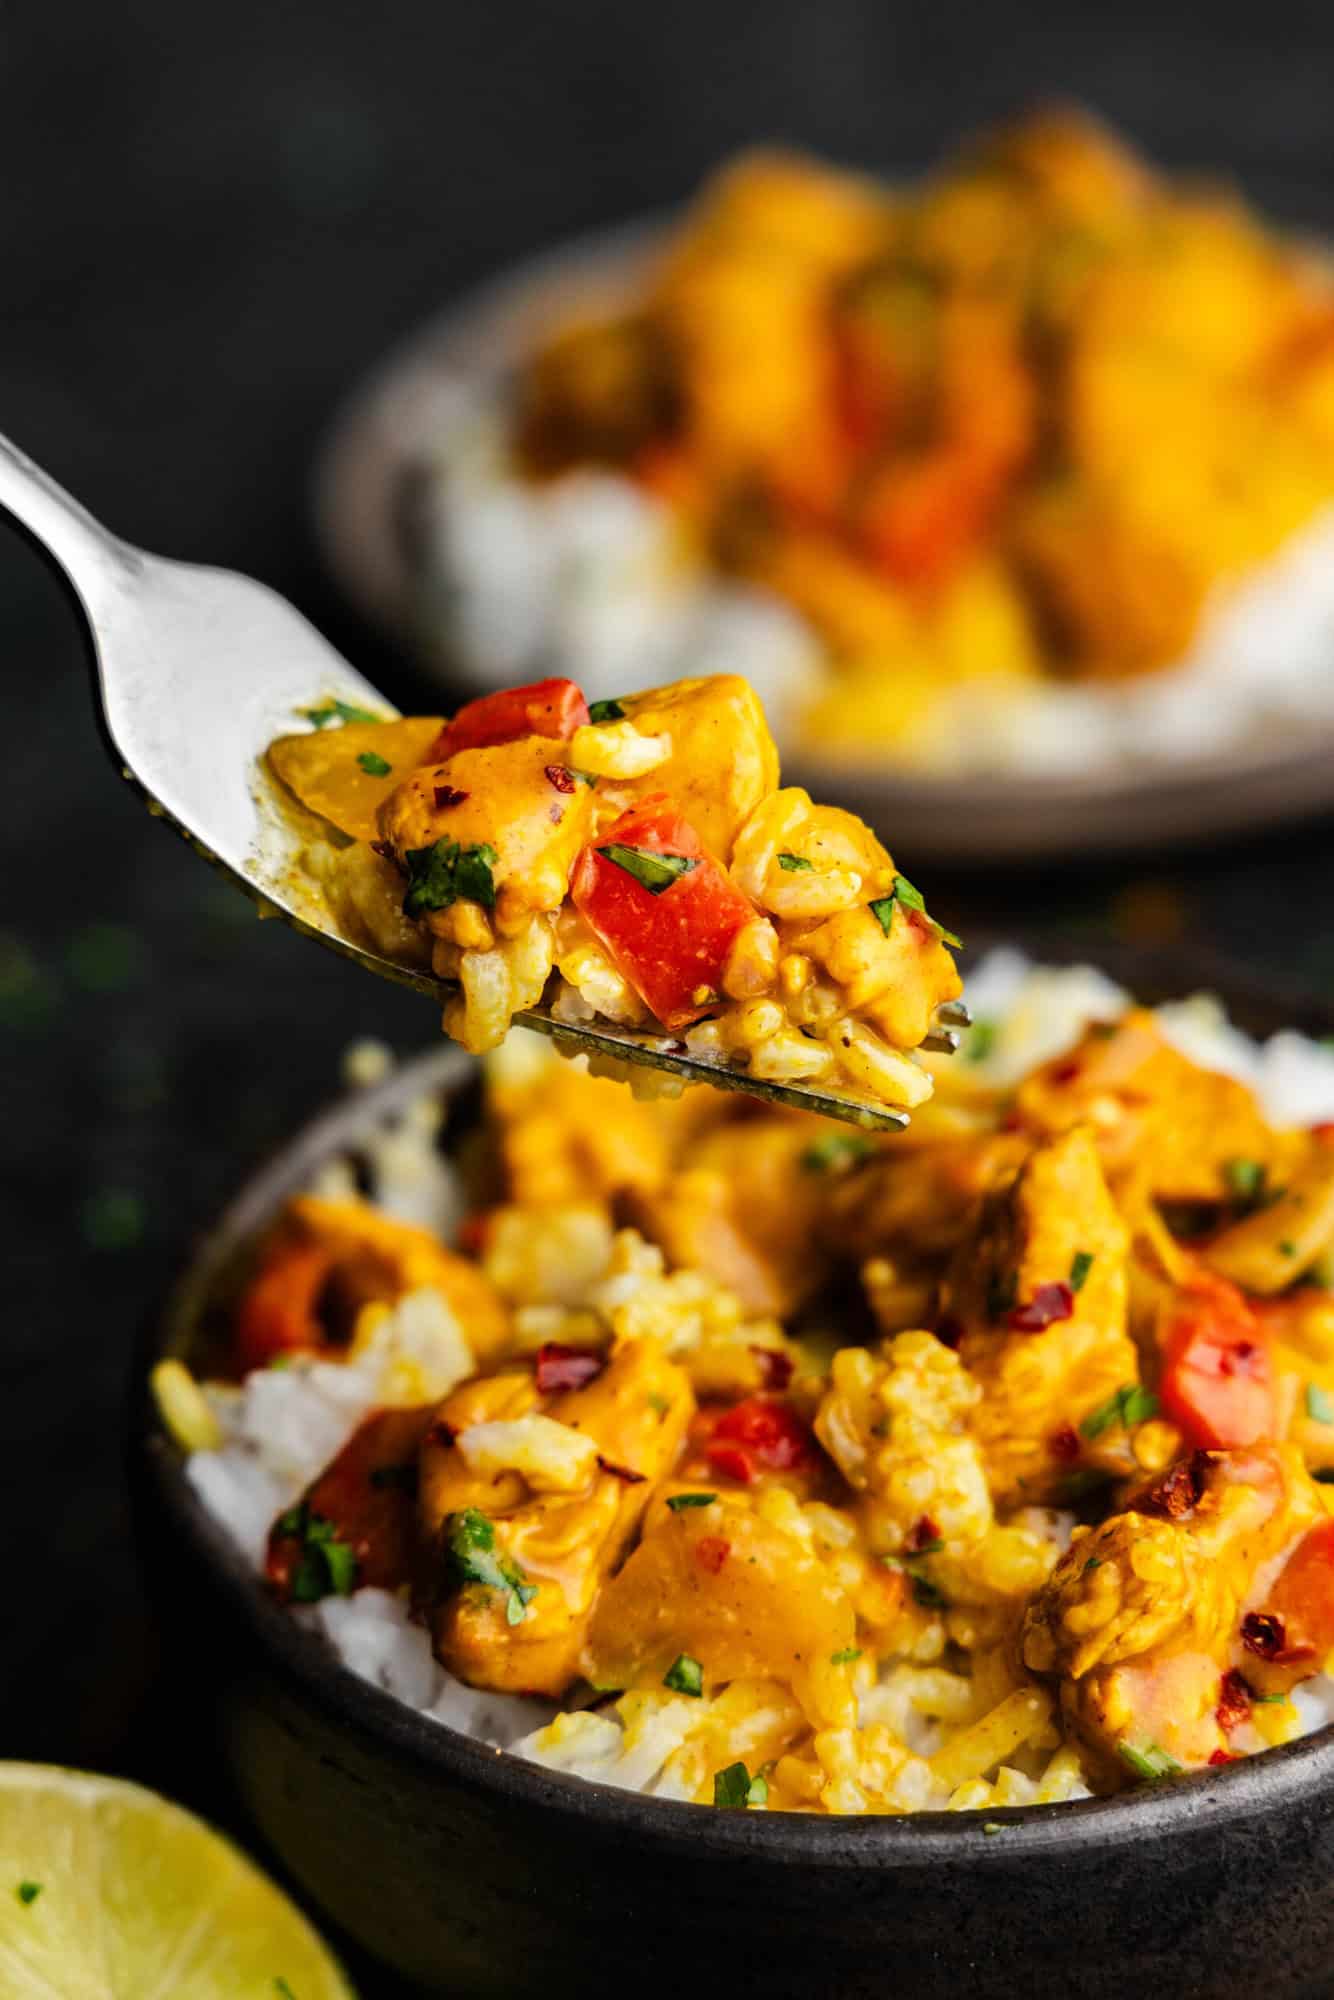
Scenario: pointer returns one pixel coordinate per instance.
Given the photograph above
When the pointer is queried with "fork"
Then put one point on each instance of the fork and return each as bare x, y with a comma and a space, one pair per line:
198, 670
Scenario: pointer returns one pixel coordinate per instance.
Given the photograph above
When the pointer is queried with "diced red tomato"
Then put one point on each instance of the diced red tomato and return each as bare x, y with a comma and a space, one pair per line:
672, 943
277, 1314
553, 708
921, 518
1217, 1383
759, 1434
1303, 1596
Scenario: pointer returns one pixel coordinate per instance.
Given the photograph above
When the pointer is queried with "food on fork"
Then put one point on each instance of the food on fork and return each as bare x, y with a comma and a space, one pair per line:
739, 1458
637, 863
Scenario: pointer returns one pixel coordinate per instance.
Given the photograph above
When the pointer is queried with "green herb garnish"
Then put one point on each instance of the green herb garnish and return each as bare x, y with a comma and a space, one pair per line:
336, 711
1130, 1404
444, 873
903, 892
845, 1656
679, 1501
794, 863
981, 1041
1260, 1699
684, 1676
28, 1892
1245, 1179
658, 1404
1287, 1248
1080, 1266
605, 711
282, 1989
470, 1544
327, 1567
1319, 1405
1094, 1562
654, 872
374, 765
837, 1151
736, 1787
1150, 1763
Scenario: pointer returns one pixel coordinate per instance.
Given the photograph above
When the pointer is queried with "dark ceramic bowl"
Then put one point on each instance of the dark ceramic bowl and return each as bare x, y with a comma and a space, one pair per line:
473, 1872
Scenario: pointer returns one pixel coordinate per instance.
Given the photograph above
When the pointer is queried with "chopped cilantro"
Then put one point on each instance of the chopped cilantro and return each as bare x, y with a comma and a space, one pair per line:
470, 1543
1262, 1698
588, 778
1319, 1405
928, 1548
337, 711
605, 711
28, 1892
684, 1676
1245, 1179
654, 872
903, 892
441, 874
794, 863
1149, 1763
658, 1404
327, 1567
1080, 1266
981, 1041
1094, 1562
1287, 1248
834, 1152
736, 1787
281, 1987
374, 765
681, 1500
1130, 1404
845, 1656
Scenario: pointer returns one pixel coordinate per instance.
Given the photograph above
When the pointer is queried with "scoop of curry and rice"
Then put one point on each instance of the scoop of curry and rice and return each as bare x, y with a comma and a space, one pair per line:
720, 1453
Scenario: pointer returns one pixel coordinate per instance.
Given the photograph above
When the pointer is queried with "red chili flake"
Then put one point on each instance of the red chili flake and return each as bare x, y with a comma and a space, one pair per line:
923, 1534
566, 1367
448, 795
711, 1552
1176, 1493
950, 1330
1064, 1443
1065, 1072
775, 1368
771, 1431
1048, 1304
1234, 1702
473, 1233
624, 1472
1013, 1121
732, 1462
1224, 1757
1264, 1634
1248, 1357
558, 776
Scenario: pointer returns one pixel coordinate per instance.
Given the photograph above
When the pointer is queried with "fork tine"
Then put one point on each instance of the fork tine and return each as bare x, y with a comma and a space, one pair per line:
954, 1014
941, 1041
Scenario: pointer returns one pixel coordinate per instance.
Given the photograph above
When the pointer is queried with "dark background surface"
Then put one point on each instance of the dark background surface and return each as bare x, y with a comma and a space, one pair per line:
211, 223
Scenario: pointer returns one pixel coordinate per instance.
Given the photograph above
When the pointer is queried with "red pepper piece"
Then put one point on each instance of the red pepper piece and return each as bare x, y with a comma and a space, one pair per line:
711, 1552
1217, 1385
670, 943
769, 1433
566, 1367
553, 708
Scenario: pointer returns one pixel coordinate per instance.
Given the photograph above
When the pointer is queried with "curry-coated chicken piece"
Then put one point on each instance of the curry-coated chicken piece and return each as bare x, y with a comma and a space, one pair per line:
1269, 1249
356, 1524
1037, 1301
736, 1595
1145, 1615
532, 1484
330, 1258
748, 1208
921, 1200
1153, 1111
722, 759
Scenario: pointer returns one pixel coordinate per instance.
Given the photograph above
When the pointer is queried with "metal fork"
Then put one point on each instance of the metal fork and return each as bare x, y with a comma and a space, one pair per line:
198, 671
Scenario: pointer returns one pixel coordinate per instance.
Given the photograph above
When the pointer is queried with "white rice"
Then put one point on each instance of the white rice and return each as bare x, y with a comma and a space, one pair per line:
585, 577
283, 1425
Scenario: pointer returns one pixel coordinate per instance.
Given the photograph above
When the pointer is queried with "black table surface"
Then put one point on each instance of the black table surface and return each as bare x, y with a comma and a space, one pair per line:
212, 221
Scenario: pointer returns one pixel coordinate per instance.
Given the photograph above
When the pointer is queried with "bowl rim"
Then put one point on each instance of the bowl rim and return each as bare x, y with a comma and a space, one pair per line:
1258, 1784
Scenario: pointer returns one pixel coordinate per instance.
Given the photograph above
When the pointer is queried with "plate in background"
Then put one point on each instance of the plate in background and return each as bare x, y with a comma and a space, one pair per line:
369, 484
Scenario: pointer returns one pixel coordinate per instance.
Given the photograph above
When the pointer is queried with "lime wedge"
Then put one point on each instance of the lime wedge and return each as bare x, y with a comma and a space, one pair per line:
108, 1892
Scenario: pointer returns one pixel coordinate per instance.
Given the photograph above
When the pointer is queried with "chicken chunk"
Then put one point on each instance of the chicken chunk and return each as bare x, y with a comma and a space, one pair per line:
1152, 1109
1143, 1616
362, 1508
723, 760
1038, 1299
522, 1527
1269, 1249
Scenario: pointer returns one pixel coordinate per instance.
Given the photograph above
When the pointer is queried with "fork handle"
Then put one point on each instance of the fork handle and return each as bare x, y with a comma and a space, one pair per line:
88, 556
